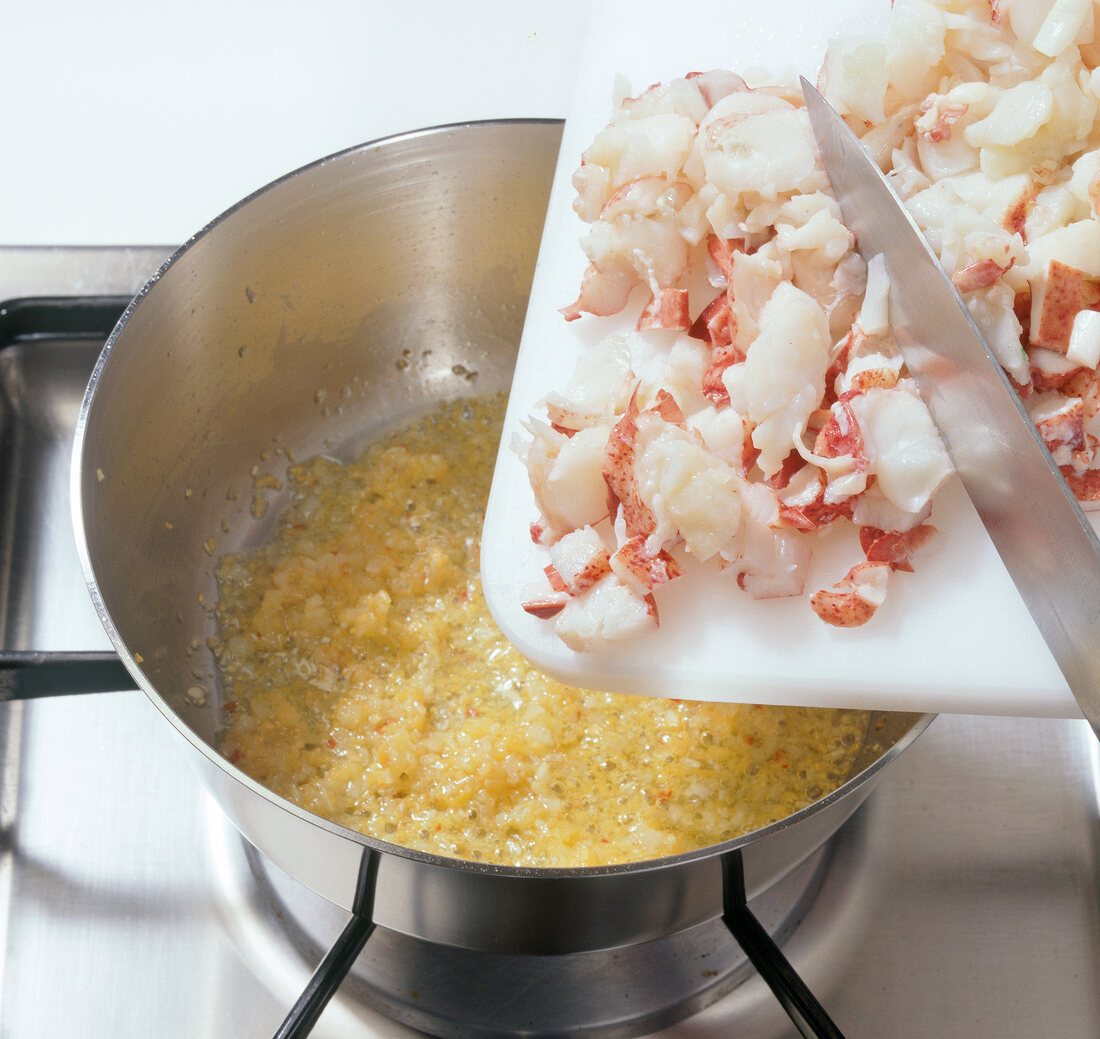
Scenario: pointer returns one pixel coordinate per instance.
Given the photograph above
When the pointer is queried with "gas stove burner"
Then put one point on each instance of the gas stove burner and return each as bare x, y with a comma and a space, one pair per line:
451, 992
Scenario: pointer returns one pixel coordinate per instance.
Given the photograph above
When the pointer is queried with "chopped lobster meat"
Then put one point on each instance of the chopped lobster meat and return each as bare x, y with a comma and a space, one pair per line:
802, 492
722, 250
568, 419
978, 275
853, 600
1085, 486
715, 324
546, 605
714, 383
578, 561
557, 582
602, 293
785, 408
618, 472
637, 567
766, 561
1056, 305
937, 118
1015, 218
1061, 423
861, 377
565, 474
665, 405
715, 85
608, 612
668, 309
841, 435
1050, 370
894, 546
1084, 339
1084, 384
814, 516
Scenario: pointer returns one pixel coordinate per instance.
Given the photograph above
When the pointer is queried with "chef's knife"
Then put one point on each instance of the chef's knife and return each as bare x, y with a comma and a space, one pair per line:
1047, 545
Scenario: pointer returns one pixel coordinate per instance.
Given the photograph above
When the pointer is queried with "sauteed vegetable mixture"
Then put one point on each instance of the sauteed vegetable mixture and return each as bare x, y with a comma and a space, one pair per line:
369, 684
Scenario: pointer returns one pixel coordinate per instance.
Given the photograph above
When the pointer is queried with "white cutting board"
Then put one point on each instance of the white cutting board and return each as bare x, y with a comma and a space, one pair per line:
952, 637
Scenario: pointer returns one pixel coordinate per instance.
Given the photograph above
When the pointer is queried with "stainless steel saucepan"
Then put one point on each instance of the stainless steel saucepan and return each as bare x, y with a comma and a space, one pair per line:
332, 304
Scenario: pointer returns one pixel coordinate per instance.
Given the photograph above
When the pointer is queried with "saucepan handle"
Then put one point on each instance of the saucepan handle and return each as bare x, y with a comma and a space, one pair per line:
31, 674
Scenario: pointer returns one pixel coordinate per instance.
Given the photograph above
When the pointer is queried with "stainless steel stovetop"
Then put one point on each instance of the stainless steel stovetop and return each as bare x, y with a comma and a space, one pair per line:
963, 900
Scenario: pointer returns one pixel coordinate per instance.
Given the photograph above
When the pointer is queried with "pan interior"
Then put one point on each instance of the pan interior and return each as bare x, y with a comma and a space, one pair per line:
336, 304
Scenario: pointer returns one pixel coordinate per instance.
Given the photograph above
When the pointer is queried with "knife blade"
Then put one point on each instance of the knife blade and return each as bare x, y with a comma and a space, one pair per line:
1043, 538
